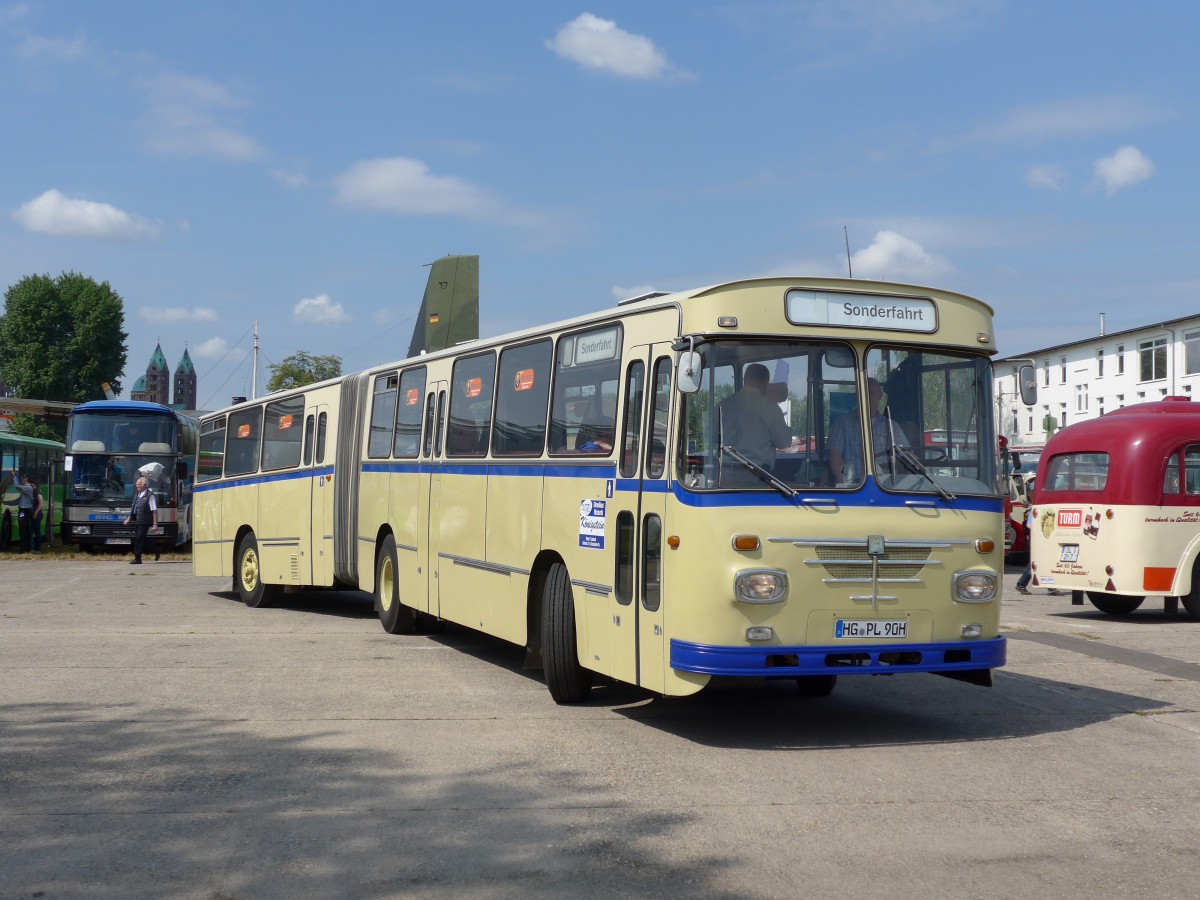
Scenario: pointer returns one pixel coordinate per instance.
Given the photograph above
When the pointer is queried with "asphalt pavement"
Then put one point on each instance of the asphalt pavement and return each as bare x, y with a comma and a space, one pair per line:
160, 740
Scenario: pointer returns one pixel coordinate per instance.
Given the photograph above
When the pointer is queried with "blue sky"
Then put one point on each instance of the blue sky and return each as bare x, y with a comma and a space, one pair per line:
299, 164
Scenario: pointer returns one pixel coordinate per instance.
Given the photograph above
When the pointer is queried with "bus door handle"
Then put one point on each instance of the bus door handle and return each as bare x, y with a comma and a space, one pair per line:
818, 501
923, 504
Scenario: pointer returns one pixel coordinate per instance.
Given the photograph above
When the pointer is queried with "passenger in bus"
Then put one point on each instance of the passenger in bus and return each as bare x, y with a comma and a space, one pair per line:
751, 423
597, 432
845, 440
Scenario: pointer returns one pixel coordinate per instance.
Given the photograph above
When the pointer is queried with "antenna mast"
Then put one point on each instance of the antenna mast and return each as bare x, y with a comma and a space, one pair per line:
254, 367
846, 235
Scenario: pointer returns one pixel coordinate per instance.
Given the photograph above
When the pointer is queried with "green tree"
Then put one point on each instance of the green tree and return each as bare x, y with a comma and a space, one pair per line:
61, 338
302, 368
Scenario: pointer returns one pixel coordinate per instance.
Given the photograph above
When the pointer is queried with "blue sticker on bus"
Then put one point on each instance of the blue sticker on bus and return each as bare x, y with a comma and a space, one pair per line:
591, 524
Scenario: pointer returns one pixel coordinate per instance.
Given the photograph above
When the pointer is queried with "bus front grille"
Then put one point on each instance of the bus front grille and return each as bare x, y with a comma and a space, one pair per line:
848, 561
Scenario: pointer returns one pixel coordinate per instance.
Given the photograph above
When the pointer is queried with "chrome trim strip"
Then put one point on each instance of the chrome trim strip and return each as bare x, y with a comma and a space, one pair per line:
601, 590
483, 565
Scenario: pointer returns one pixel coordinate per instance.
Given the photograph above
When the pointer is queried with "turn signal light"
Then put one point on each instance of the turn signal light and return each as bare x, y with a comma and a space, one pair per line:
746, 542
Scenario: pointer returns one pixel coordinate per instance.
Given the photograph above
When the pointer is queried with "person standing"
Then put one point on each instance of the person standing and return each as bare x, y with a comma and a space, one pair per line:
25, 504
144, 516
1027, 575
39, 507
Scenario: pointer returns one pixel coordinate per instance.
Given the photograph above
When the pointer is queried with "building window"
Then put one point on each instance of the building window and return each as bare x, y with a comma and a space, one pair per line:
1081, 398
1152, 358
1030, 429
1100, 406
1141, 396
1120, 401
1191, 352
1046, 370
1062, 370
1162, 392
1120, 359
1062, 415
1100, 363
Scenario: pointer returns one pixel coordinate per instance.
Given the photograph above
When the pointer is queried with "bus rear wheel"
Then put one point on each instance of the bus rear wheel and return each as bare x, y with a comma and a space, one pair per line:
1114, 605
247, 574
568, 681
393, 615
1191, 600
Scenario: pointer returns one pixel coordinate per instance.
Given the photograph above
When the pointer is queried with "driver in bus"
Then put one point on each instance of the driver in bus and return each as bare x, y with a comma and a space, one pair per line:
750, 420
845, 439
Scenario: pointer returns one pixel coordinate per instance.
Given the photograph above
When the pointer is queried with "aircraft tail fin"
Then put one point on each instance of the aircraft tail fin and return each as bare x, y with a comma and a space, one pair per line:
450, 308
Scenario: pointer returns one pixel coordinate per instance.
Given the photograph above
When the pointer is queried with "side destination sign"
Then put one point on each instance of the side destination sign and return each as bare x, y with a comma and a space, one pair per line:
861, 310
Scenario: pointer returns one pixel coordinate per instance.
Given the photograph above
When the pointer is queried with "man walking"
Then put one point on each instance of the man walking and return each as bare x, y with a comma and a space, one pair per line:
143, 515
25, 505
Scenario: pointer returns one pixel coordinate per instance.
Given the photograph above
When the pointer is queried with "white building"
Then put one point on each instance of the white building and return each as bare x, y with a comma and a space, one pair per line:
1085, 379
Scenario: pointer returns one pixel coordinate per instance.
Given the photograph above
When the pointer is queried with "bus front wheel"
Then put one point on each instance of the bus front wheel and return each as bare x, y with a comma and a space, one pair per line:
6, 530
568, 681
1114, 605
247, 575
393, 616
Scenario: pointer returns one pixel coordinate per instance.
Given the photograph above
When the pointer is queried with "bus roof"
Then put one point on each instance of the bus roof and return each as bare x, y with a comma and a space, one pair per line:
138, 406
1138, 440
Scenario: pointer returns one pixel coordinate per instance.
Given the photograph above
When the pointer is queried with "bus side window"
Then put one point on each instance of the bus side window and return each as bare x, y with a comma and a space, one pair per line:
309, 423
1191, 470
322, 422
660, 407
524, 386
441, 421
427, 447
632, 424
1171, 475
407, 439
471, 405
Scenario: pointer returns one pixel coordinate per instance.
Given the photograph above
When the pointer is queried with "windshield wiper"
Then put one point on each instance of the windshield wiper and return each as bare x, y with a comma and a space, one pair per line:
758, 470
910, 459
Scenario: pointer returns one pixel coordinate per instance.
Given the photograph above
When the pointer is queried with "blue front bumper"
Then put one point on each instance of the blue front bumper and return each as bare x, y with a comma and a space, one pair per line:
841, 659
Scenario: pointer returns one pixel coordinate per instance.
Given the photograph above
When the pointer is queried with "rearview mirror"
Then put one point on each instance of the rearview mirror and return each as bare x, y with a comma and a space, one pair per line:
1027, 378
688, 369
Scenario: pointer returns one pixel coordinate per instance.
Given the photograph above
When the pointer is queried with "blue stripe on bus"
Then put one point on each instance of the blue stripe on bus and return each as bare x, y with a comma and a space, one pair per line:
857, 659
263, 479
869, 495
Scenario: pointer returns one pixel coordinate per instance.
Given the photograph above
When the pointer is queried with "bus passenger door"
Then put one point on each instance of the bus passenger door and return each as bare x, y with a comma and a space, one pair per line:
638, 517
320, 494
425, 596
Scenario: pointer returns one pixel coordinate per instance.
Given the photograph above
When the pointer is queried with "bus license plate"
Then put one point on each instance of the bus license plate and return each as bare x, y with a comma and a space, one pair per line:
1068, 553
118, 540
871, 628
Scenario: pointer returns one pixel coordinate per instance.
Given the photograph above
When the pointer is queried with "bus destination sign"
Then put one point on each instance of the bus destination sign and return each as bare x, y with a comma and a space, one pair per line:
854, 310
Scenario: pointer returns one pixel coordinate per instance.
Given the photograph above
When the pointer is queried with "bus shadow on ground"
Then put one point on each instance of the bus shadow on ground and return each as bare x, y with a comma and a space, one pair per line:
1150, 614
883, 711
343, 604
160, 803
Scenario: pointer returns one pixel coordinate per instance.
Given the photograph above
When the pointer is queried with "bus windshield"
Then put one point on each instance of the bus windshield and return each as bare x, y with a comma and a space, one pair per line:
107, 479
111, 433
792, 415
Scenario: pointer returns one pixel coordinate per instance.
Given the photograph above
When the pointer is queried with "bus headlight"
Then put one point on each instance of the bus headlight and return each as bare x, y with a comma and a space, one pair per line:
974, 587
760, 586
81, 529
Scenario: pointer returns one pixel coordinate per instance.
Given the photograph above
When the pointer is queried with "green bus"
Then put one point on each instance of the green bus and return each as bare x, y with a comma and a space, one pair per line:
42, 461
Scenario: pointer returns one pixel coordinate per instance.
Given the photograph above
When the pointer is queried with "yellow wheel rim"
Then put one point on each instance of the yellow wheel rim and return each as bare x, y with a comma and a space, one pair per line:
249, 571
387, 584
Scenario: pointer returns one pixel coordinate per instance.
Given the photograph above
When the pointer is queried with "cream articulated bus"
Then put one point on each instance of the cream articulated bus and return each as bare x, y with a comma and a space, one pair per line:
660, 493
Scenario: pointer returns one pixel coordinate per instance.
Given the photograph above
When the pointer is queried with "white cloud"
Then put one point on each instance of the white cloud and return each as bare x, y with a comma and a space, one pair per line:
185, 120
294, 180
1048, 177
56, 214
320, 310
596, 43
406, 186
1074, 118
170, 315
35, 48
1125, 168
217, 347
896, 257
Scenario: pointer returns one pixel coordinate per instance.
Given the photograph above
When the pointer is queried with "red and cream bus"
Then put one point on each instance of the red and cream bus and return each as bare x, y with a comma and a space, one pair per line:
1118, 508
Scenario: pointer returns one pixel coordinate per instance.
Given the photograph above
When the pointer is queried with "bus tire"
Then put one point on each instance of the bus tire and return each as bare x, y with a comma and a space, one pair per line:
816, 685
1191, 600
1114, 605
247, 573
395, 617
6, 530
568, 681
